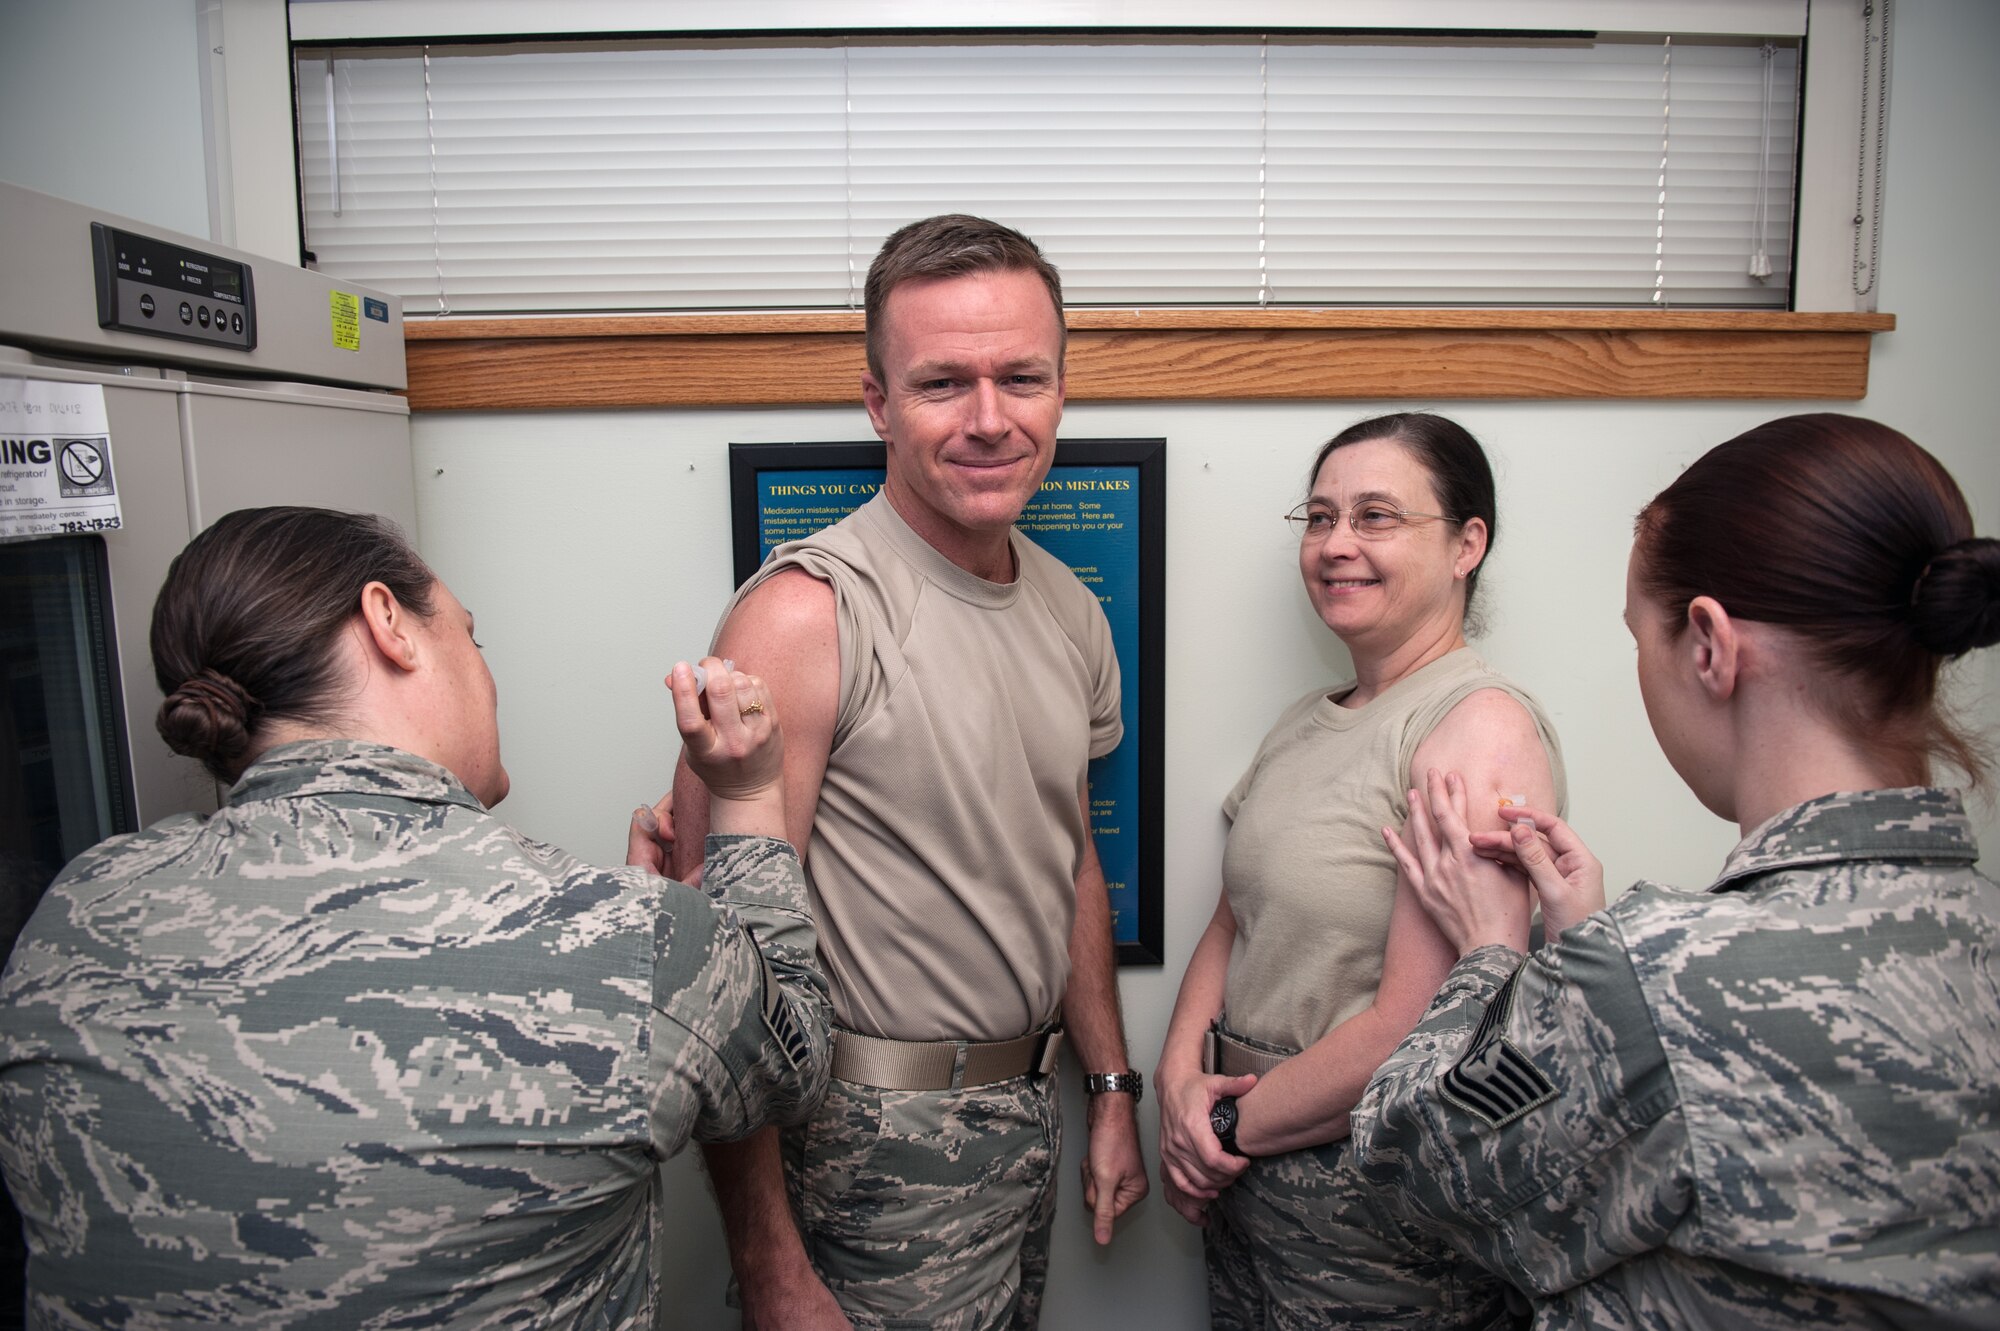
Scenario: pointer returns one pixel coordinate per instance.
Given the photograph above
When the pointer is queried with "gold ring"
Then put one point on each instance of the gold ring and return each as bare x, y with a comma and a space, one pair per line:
753, 708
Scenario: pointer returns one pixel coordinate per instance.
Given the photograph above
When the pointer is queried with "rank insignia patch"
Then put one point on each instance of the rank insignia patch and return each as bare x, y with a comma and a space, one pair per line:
782, 1022
1494, 1081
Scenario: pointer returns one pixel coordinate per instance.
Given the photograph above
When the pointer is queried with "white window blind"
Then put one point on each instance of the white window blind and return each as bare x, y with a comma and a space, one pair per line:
1171, 172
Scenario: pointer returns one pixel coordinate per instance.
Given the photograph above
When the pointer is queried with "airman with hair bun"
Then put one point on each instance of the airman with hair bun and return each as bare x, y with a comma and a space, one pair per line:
352, 1051
1775, 1102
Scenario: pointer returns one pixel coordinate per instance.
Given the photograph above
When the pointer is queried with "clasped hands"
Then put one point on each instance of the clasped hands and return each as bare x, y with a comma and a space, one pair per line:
1194, 1169
1480, 887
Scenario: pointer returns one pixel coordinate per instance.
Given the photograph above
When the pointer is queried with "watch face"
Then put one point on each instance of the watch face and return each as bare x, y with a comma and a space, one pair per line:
1222, 1118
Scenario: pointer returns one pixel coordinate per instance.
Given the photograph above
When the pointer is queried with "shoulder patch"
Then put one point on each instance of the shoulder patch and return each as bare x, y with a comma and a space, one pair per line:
1495, 1082
780, 1020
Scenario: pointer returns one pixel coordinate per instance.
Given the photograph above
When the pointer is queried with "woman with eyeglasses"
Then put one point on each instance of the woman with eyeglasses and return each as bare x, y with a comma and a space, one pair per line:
1774, 1102
1317, 962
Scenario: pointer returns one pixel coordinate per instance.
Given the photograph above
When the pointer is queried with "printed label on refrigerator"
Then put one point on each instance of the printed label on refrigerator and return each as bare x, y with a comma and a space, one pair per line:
55, 460
345, 308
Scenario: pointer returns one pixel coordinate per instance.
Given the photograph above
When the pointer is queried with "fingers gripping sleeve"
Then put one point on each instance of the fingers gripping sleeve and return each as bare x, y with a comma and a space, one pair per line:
1531, 1119
740, 1029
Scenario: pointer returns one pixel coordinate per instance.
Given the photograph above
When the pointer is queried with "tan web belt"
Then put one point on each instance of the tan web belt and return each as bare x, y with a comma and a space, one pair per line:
1228, 1056
940, 1065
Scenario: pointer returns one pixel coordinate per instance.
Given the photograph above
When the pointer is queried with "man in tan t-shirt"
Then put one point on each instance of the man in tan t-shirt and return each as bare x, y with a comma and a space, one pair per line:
943, 684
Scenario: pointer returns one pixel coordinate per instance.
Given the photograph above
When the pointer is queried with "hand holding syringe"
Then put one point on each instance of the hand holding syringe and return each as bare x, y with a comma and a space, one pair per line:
1567, 878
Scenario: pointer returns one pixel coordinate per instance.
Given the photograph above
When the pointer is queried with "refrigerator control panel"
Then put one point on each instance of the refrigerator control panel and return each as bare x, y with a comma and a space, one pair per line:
77, 282
161, 289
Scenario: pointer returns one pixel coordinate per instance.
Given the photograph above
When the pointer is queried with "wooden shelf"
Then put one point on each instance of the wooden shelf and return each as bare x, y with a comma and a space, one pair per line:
815, 357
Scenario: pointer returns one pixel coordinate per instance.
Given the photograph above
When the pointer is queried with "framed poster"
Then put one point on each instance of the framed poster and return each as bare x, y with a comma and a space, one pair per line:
1102, 510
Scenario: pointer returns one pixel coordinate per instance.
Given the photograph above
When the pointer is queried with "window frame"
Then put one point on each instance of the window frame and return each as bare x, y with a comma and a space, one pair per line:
1817, 350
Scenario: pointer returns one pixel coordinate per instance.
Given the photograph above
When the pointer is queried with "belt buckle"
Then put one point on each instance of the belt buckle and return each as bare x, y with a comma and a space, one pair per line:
1048, 1053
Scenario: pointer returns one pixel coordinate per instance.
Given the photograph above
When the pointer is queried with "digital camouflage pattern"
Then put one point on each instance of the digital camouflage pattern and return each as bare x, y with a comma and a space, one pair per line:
1773, 1104
930, 1208
352, 1052
1300, 1243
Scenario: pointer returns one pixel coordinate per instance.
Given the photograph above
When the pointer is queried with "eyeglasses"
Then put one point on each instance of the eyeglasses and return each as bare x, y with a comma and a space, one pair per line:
1373, 520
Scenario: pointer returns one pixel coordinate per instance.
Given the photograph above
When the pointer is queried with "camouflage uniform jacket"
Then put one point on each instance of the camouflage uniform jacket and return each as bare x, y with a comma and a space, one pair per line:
352, 1052
1772, 1104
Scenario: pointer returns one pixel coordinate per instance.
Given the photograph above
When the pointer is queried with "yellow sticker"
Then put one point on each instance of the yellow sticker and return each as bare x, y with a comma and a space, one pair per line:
346, 320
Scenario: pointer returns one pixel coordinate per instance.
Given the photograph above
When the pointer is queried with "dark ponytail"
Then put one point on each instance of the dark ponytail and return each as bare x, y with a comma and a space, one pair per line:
245, 625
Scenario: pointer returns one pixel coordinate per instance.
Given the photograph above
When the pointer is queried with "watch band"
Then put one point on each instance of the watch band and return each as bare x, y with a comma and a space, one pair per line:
1097, 1083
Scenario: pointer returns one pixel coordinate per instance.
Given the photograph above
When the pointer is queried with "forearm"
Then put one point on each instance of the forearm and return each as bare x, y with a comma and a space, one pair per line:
1200, 1000
1114, 1169
1090, 1007
690, 824
757, 815
765, 1250
1305, 1100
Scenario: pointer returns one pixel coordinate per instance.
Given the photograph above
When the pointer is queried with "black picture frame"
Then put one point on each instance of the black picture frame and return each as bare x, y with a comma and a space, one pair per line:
1143, 658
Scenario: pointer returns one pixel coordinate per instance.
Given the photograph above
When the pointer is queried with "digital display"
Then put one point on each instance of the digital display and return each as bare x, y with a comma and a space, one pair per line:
189, 272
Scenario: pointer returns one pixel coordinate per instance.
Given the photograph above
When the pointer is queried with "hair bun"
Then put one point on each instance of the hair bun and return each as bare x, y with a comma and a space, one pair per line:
208, 717
1955, 604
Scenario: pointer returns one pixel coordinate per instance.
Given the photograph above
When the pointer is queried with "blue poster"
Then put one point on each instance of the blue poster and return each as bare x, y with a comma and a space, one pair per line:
1086, 516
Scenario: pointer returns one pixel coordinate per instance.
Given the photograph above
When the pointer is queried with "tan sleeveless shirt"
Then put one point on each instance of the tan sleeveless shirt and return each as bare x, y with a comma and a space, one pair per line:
1309, 880
945, 848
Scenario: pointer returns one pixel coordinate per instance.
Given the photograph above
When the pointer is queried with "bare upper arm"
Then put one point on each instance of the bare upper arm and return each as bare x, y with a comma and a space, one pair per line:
1489, 739
786, 632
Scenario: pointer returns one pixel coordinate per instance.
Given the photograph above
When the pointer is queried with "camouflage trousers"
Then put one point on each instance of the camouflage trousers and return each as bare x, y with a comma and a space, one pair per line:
1298, 1243
930, 1209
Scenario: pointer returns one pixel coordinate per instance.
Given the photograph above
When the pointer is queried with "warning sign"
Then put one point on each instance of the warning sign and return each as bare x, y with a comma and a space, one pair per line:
55, 460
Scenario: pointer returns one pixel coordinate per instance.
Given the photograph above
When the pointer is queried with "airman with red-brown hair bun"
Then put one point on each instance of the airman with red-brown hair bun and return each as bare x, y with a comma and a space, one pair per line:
1846, 532
1771, 1103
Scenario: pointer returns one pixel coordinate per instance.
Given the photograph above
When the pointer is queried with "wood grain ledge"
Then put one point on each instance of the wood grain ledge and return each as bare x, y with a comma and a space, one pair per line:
815, 357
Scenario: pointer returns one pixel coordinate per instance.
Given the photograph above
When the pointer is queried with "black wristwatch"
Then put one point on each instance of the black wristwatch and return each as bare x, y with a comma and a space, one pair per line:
1222, 1119
1097, 1083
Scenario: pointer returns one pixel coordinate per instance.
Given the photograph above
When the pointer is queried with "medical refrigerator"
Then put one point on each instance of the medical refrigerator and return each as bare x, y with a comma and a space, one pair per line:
185, 380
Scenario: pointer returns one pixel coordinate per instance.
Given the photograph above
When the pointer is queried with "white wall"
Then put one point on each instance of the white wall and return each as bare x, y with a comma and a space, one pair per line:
594, 547
247, 45
100, 102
